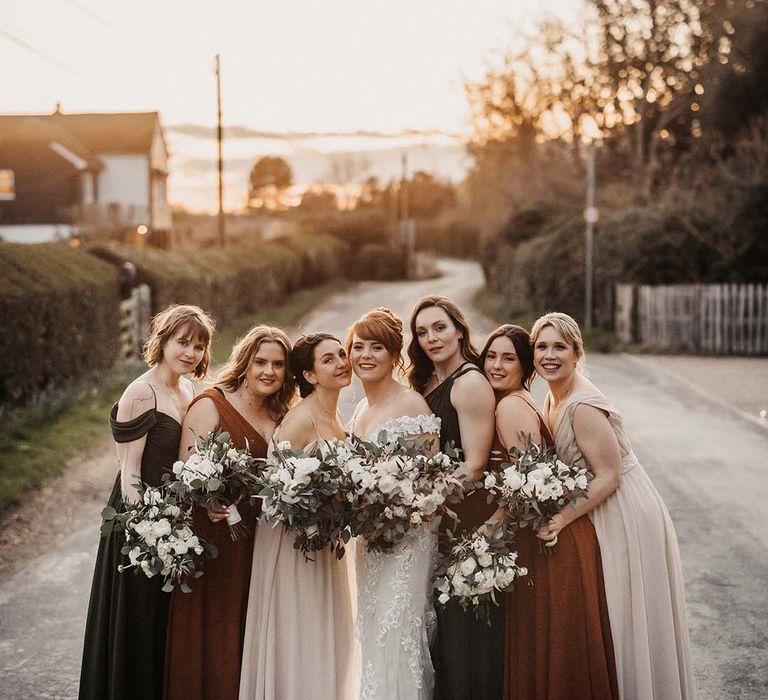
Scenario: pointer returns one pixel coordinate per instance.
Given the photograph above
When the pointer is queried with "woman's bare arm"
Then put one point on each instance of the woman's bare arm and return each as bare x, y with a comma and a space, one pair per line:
597, 442
473, 399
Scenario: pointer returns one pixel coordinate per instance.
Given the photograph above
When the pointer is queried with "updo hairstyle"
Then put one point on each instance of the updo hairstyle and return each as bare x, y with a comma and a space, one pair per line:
302, 359
383, 326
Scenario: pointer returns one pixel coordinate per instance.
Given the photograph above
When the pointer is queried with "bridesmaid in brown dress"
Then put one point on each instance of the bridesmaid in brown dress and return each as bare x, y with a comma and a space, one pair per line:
558, 636
206, 627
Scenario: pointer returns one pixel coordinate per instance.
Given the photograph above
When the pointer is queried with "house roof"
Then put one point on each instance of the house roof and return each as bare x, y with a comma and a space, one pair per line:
27, 131
121, 133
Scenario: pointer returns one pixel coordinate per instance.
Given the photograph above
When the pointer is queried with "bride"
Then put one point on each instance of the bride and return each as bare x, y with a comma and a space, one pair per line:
395, 617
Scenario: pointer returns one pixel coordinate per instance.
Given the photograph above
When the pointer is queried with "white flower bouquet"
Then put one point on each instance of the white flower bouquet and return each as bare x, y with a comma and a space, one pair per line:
159, 540
475, 569
536, 486
394, 485
301, 491
218, 475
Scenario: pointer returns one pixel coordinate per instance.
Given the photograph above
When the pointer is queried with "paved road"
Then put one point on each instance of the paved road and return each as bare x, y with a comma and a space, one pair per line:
709, 464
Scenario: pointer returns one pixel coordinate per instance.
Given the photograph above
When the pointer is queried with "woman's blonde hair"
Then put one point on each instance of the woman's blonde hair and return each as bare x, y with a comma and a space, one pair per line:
565, 326
232, 374
195, 323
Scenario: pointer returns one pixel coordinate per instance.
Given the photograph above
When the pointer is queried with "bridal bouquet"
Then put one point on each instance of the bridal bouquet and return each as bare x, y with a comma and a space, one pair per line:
476, 568
218, 475
536, 486
158, 538
300, 490
394, 485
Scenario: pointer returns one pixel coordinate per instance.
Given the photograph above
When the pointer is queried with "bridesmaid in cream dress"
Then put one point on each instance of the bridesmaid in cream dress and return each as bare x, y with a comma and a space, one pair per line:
641, 560
299, 631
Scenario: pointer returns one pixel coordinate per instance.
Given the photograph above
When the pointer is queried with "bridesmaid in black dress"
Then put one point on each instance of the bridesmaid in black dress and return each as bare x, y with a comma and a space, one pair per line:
468, 654
124, 648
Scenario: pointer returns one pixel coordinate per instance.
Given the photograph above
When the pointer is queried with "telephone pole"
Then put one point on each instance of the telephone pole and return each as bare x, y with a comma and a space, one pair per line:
219, 137
591, 216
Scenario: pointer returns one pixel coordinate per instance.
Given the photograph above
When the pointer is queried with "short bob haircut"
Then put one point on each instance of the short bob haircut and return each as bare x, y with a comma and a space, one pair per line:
233, 373
192, 321
521, 340
421, 367
302, 359
566, 327
382, 325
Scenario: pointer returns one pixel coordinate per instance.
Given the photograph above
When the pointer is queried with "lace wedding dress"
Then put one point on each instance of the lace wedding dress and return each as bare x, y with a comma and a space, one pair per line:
395, 615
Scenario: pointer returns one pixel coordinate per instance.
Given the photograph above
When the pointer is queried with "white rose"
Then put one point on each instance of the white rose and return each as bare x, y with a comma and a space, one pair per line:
184, 533
468, 566
388, 483
179, 546
569, 483
233, 454
490, 481
284, 446
444, 598
152, 497
513, 479
485, 560
581, 481
178, 467
172, 511
416, 519
303, 467
145, 568
457, 581
480, 545
161, 528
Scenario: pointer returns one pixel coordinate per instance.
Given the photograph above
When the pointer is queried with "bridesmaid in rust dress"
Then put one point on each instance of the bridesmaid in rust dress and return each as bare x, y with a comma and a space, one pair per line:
206, 626
558, 637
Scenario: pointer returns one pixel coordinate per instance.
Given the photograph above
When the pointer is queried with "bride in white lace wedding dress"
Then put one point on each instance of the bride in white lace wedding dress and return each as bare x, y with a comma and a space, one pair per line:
395, 616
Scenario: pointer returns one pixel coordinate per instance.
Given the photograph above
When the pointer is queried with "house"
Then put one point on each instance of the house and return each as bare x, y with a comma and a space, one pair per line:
62, 174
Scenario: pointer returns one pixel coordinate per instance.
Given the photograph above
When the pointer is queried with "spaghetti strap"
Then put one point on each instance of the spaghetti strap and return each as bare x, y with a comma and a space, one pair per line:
461, 370
152, 389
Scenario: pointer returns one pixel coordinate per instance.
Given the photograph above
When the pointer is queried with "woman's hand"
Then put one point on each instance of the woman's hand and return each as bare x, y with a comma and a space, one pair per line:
216, 515
549, 532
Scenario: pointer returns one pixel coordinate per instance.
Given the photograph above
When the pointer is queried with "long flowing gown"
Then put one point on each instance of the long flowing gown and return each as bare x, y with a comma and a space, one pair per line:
206, 627
299, 634
642, 569
468, 654
395, 615
558, 636
124, 648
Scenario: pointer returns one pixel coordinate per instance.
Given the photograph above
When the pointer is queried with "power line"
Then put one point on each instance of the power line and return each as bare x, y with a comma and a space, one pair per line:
18, 41
90, 13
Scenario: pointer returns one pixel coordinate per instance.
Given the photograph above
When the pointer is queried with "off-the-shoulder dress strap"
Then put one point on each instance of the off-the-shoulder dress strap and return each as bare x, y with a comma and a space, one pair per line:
154, 395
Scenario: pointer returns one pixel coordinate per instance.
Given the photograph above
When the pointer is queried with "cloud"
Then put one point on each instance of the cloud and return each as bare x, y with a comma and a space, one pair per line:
246, 132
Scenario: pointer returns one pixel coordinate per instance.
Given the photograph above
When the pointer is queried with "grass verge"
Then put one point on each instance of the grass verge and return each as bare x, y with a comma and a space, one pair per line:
37, 442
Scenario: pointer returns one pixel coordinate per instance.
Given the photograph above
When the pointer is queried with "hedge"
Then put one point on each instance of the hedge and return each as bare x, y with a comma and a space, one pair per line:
59, 308
375, 261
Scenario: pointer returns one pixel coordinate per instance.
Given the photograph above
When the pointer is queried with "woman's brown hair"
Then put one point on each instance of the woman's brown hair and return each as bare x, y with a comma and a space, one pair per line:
233, 373
177, 317
521, 340
421, 367
382, 325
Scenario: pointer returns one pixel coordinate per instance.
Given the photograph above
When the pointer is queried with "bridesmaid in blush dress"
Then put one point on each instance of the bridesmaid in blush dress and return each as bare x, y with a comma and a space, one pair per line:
558, 637
299, 634
641, 560
468, 654
206, 626
124, 646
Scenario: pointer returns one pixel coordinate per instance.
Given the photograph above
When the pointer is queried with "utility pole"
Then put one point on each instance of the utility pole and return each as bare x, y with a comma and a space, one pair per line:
219, 137
591, 216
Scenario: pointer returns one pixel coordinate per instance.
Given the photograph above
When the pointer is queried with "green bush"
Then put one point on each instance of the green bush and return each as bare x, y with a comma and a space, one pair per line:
226, 282
322, 256
375, 261
458, 238
60, 320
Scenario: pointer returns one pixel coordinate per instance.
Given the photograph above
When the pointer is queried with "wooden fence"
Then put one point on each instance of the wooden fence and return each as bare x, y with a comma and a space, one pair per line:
135, 314
718, 319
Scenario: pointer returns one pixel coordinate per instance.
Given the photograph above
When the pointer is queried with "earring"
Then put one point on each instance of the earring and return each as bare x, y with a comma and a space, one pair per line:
246, 382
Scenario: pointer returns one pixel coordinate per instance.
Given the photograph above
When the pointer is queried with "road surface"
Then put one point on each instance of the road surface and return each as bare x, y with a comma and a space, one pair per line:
709, 464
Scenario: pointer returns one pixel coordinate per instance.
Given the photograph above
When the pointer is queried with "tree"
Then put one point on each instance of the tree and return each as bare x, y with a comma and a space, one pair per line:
269, 179
427, 196
318, 201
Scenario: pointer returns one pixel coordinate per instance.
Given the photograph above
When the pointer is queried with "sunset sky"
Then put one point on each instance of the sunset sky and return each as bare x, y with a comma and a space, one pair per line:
303, 66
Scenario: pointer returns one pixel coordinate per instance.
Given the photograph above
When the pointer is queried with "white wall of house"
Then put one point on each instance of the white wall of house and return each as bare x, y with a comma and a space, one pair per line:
35, 233
125, 181
161, 210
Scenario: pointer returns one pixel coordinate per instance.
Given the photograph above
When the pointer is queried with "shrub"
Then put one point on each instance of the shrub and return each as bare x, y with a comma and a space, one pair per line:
322, 256
60, 316
375, 261
458, 238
